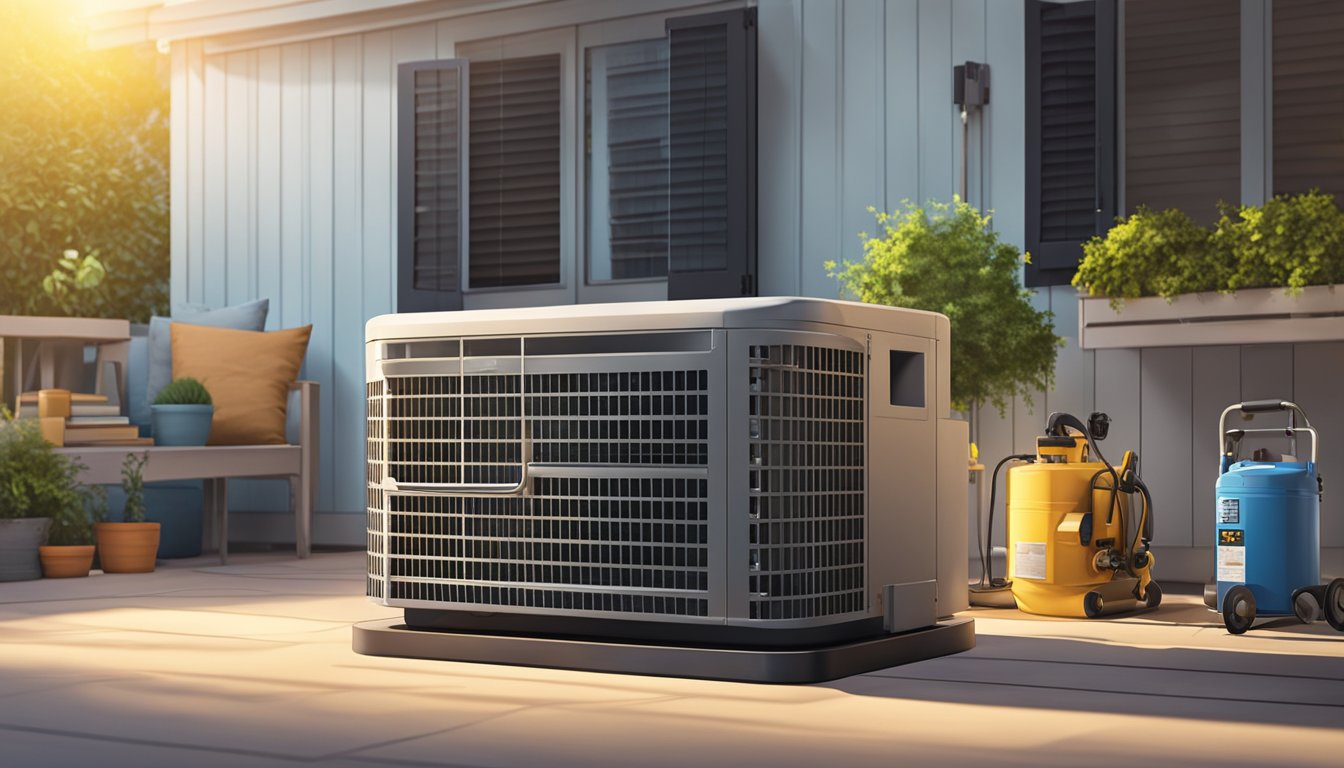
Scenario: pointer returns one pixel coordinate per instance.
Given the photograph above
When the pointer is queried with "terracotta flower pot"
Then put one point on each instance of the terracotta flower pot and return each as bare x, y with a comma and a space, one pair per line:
63, 562
127, 547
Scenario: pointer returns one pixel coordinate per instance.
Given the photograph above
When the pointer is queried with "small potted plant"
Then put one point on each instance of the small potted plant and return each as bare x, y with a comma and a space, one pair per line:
129, 546
181, 413
35, 482
69, 549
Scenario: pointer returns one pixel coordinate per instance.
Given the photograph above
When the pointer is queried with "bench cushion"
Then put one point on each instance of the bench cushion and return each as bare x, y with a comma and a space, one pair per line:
248, 374
250, 316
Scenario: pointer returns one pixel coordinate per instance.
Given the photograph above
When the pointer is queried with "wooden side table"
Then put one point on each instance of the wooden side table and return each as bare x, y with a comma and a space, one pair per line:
112, 337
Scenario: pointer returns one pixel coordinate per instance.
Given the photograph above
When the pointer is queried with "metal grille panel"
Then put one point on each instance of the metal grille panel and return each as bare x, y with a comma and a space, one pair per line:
805, 481
635, 545
618, 522
375, 554
645, 418
429, 441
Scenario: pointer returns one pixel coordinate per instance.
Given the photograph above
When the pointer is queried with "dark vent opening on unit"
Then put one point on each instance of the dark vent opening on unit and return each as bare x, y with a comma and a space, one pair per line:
907, 378
411, 350
492, 347
612, 344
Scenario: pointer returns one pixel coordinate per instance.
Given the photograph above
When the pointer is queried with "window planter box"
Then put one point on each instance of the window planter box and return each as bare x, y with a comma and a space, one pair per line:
1254, 316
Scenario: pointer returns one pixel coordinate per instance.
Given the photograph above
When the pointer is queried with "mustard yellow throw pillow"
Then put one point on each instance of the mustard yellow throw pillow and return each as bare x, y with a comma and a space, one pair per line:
248, 374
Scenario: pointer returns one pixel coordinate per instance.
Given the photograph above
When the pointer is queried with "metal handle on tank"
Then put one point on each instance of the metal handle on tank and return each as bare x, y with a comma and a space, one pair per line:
1264, 406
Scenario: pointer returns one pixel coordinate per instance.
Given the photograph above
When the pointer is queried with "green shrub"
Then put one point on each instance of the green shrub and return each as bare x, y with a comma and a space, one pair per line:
184, 391
948, 260
1292, 241
1150, 253
36, 481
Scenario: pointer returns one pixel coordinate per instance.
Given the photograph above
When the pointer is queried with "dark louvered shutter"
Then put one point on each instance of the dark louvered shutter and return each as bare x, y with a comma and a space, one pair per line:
430, 155
1070, 133
1182, 105
515, 172
712, 136
1309, 96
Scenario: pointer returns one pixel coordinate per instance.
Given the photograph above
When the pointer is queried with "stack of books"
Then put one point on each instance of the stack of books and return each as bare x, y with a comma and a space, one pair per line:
87, 420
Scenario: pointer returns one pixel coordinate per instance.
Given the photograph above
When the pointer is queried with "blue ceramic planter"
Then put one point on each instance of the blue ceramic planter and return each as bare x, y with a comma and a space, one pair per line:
181, 424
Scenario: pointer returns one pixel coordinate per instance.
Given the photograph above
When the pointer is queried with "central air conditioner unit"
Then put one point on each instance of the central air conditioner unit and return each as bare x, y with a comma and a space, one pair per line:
767, 473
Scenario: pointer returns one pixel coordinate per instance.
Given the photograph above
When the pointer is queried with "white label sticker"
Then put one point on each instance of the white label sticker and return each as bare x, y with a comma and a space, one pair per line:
1232, 564
1029, 560
1229, 511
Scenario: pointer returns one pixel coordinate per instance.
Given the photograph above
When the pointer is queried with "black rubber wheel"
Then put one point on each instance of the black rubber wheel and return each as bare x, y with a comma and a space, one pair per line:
1092, 605
1306, 606
1334, 604
1152, 596
1238, 609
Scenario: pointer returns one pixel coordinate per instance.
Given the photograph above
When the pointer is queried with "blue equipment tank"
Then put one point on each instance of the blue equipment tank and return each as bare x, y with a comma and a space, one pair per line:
1267, 517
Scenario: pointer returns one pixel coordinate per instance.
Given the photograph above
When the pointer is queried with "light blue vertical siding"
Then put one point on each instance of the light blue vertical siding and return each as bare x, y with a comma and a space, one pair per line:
319, 260
820, 160
347, 385
863, 148
779, 71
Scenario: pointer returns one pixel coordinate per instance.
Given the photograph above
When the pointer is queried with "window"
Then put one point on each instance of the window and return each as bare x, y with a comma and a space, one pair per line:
1182, 107
628, 156
515, 172
665, 173
1178, 118
1308, 78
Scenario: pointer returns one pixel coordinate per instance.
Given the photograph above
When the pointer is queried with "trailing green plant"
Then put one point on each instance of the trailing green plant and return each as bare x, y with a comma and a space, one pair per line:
1292, 241
35, 480
946, 259
1152, 253
133, 485
184, 391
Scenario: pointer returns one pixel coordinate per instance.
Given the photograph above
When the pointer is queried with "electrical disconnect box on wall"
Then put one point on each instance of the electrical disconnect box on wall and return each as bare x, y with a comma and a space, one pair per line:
760, 471
970, 84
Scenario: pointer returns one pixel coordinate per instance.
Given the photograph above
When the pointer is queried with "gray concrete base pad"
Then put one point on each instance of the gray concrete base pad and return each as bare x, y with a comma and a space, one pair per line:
391, 637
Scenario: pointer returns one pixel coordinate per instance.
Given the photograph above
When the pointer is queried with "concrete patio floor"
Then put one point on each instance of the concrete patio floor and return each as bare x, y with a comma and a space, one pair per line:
250, 665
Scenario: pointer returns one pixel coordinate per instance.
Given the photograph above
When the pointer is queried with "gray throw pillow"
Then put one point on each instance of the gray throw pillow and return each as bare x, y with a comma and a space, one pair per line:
242, 317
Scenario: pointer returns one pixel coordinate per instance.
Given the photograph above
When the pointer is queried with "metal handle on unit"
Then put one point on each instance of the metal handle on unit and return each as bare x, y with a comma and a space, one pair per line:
459, 489
1266, 406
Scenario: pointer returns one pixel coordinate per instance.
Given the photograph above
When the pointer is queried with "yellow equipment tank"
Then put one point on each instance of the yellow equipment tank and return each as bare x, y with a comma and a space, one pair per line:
1073, 548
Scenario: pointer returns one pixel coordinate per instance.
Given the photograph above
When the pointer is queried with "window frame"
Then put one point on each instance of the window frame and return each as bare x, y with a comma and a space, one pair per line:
553, 41
616, 32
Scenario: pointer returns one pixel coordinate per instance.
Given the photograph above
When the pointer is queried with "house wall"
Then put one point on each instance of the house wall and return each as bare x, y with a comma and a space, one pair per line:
282, 158
283, 187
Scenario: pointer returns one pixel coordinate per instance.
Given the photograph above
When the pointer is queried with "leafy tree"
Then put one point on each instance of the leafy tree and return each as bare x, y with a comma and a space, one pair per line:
948, 260
83, 167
